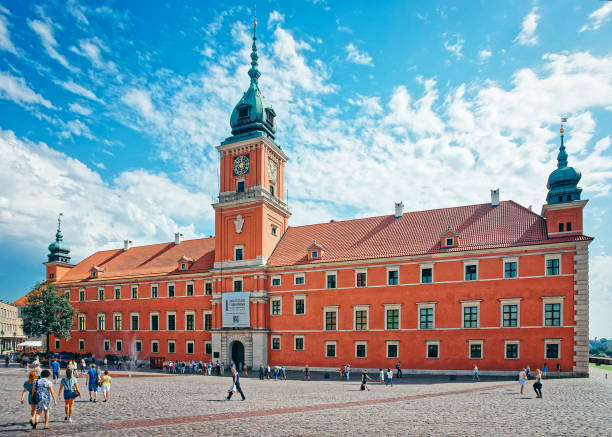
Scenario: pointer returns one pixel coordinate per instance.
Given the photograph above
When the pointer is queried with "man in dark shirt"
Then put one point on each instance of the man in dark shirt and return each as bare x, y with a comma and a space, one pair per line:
236, 383
399, 369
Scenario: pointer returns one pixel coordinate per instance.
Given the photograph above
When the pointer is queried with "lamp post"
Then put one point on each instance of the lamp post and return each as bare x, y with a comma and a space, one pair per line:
14, 341
2, 342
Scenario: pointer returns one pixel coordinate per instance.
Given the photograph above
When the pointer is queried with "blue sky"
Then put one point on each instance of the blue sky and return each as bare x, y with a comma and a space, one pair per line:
111, 114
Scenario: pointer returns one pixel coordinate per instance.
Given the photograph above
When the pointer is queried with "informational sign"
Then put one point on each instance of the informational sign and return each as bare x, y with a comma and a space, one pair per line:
236, 310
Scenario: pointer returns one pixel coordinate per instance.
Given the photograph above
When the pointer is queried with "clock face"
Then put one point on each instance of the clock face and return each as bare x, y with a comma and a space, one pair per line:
271, 169
241, 165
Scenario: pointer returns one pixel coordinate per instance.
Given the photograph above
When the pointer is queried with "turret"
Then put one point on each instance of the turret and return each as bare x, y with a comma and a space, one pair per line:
59, 255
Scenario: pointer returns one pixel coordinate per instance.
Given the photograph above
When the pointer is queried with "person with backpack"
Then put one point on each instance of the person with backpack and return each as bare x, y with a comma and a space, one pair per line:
42, 394
364, 380
71, 391
93, 379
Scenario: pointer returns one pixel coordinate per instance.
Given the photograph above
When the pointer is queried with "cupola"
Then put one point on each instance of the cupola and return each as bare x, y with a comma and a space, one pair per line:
59, 251
563, 182
251, 115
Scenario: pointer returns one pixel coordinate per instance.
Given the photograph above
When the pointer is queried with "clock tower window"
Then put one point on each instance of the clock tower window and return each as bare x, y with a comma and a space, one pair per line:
240, 187
238, 253
272, 188
237, 284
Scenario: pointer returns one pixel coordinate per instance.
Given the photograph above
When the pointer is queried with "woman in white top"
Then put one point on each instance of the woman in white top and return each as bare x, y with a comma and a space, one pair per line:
522, 380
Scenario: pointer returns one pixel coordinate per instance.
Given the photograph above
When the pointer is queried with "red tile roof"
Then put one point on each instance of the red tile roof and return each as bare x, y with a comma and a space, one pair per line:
479, 227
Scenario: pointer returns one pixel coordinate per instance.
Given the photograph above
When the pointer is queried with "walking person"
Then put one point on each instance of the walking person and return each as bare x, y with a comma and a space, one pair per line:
55, 367
261, 372
398, 366
83, 365
364, 380
558, 370
544, 370
93, 379
389, 380
28, 386
522, 380
105, 383
381, 375
235, 385
527, 372
347, 371
306, 373
42, 394
71, 391
537, 385
475, 377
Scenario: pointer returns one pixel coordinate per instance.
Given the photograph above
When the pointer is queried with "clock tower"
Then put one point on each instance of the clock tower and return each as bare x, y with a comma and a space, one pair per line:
251, 216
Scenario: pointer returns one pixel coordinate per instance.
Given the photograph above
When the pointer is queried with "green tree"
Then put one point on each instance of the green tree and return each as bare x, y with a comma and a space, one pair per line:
47, 313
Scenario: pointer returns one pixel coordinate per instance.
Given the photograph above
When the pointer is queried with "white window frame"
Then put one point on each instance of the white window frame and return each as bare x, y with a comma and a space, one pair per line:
206, 343
211, 286
553, 256
299, 275
470, 303
171, 313
471, 263
392, 269
331, 343
295, 298
187, 284
274, 230
168, 285
190, 313
183, 266
206, 313
432, 343
234, 280
81, 290
357, 271
552, 299
424, 305
187, 342
470, 343
391, 343
137, 315
273, 278
280, 344
135, 348
243, 180
172, 342
331, 309
556, 341
132, 288
98, 322
361, 343
328, 274
512, 259
238, 247
105, 342
157, 287
151, 314
276, 299
84, 317
518, 343
513, 301
115, 290
152, 343
452, 241
393, 306
118, 342
114, 324
295, 338
81, 341
426, 266
101, 289
365, 308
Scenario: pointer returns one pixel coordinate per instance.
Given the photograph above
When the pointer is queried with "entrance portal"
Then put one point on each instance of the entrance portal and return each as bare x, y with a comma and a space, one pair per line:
238, 353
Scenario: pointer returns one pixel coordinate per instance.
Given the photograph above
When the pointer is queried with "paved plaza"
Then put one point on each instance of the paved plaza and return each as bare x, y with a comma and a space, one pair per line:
187, 404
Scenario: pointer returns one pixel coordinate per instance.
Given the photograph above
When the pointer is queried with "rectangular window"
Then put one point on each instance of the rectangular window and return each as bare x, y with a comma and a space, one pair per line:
331, 280
106, 345
154, 292
238, 254
360, 350
299, 343
510, 314
393, 318
512, 351
207, 322
189, 345
134, 322
81, 323
433, 349
171, 346
552, 267
300, 306
240, 187
426, 275
560, 227
276, 282
475, 350
208, 288
171, 325
471, 272
117, 322
138, 345
393, 277
330, 350
189, 322
568, 226
101, 322
118, 345
276, 307
189, 289
552, 351
154, 346
426, 318
117, 293
331, 320
171, 290
238, 285
314, 254
134, 292
470, 316
276, 343
552, 314
208, 348
81, 295
361, 279
154, 322
101, 294
57, 344
81, 344
299, 279
510, 269
361, 320
392, 349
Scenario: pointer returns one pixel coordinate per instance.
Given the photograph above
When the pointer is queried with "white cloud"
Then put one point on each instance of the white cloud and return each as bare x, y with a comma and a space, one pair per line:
80, 109
598, 17
484, 55
454, 44
274, 18
77, 11
600, 291
140, 100
357, 57
75, 128
527, 36
45, 33
15, 89
5, 38
79, 90
92, 49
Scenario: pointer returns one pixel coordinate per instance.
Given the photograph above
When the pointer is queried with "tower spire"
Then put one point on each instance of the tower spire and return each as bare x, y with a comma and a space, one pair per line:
58, 234
562, 156
253, 71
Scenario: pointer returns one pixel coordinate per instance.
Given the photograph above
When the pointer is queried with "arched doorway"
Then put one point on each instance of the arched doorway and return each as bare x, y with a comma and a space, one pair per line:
237, 353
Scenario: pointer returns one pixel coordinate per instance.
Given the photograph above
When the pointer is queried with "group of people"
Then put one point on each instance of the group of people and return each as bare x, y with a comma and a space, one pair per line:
199, 368
40, 391
276, 373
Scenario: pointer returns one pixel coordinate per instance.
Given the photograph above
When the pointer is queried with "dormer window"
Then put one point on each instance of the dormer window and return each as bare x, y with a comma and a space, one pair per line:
184, 263
243, 112
449, 238
183, 266
94, 274
315, 251
95, 271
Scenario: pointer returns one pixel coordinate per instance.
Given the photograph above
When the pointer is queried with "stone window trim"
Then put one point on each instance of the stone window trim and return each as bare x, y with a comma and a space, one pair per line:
466, 264
101, 293
81, 344
187, 342
299, 275
328, 274
510, 259
550, 256
173, 343
432, 305
236, 248
331, 309
207, 346
151, 314
117, 343
134, 291
237, 279
156, 286
393, 306
168, 285
206, 283
333, 343
359, 271
552, 299
508, 301
81, 294
475, 342
82, 326
117, 292
274, 279
361, 343
190, 313
115, 315
101, 326
168, 314
295, 338
138, 342
426, 266
518, 343
187, 284
470, 303
132, 314
393, 269
275, 337
206, 313
297, 297
392, 343
432, 343
280, 307
152, 348
106, 344
365, 308
556, 341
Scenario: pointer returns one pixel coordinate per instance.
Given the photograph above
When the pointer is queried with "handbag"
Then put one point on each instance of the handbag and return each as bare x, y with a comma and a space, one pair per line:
232, 389
37, 396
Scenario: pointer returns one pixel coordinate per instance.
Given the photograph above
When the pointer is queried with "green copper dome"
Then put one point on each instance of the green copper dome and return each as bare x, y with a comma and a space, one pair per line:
251, 114
563, 182
58, 250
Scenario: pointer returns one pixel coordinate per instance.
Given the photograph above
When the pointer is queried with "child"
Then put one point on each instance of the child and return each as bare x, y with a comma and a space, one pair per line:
106, 383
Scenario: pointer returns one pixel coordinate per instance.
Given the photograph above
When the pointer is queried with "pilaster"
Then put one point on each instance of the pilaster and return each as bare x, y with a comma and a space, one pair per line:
581, 311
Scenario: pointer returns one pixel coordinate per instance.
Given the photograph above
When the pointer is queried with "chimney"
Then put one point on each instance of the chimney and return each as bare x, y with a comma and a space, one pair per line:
127, 244
178, 238
495, 197
399, 210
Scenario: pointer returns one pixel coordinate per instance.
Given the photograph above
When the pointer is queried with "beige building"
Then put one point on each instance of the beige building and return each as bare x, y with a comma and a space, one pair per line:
11, 328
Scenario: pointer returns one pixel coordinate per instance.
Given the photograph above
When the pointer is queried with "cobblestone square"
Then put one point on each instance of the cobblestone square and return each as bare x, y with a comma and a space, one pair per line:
149, 404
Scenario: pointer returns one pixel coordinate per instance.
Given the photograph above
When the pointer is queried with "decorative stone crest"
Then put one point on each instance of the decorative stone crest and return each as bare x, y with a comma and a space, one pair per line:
239, 222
